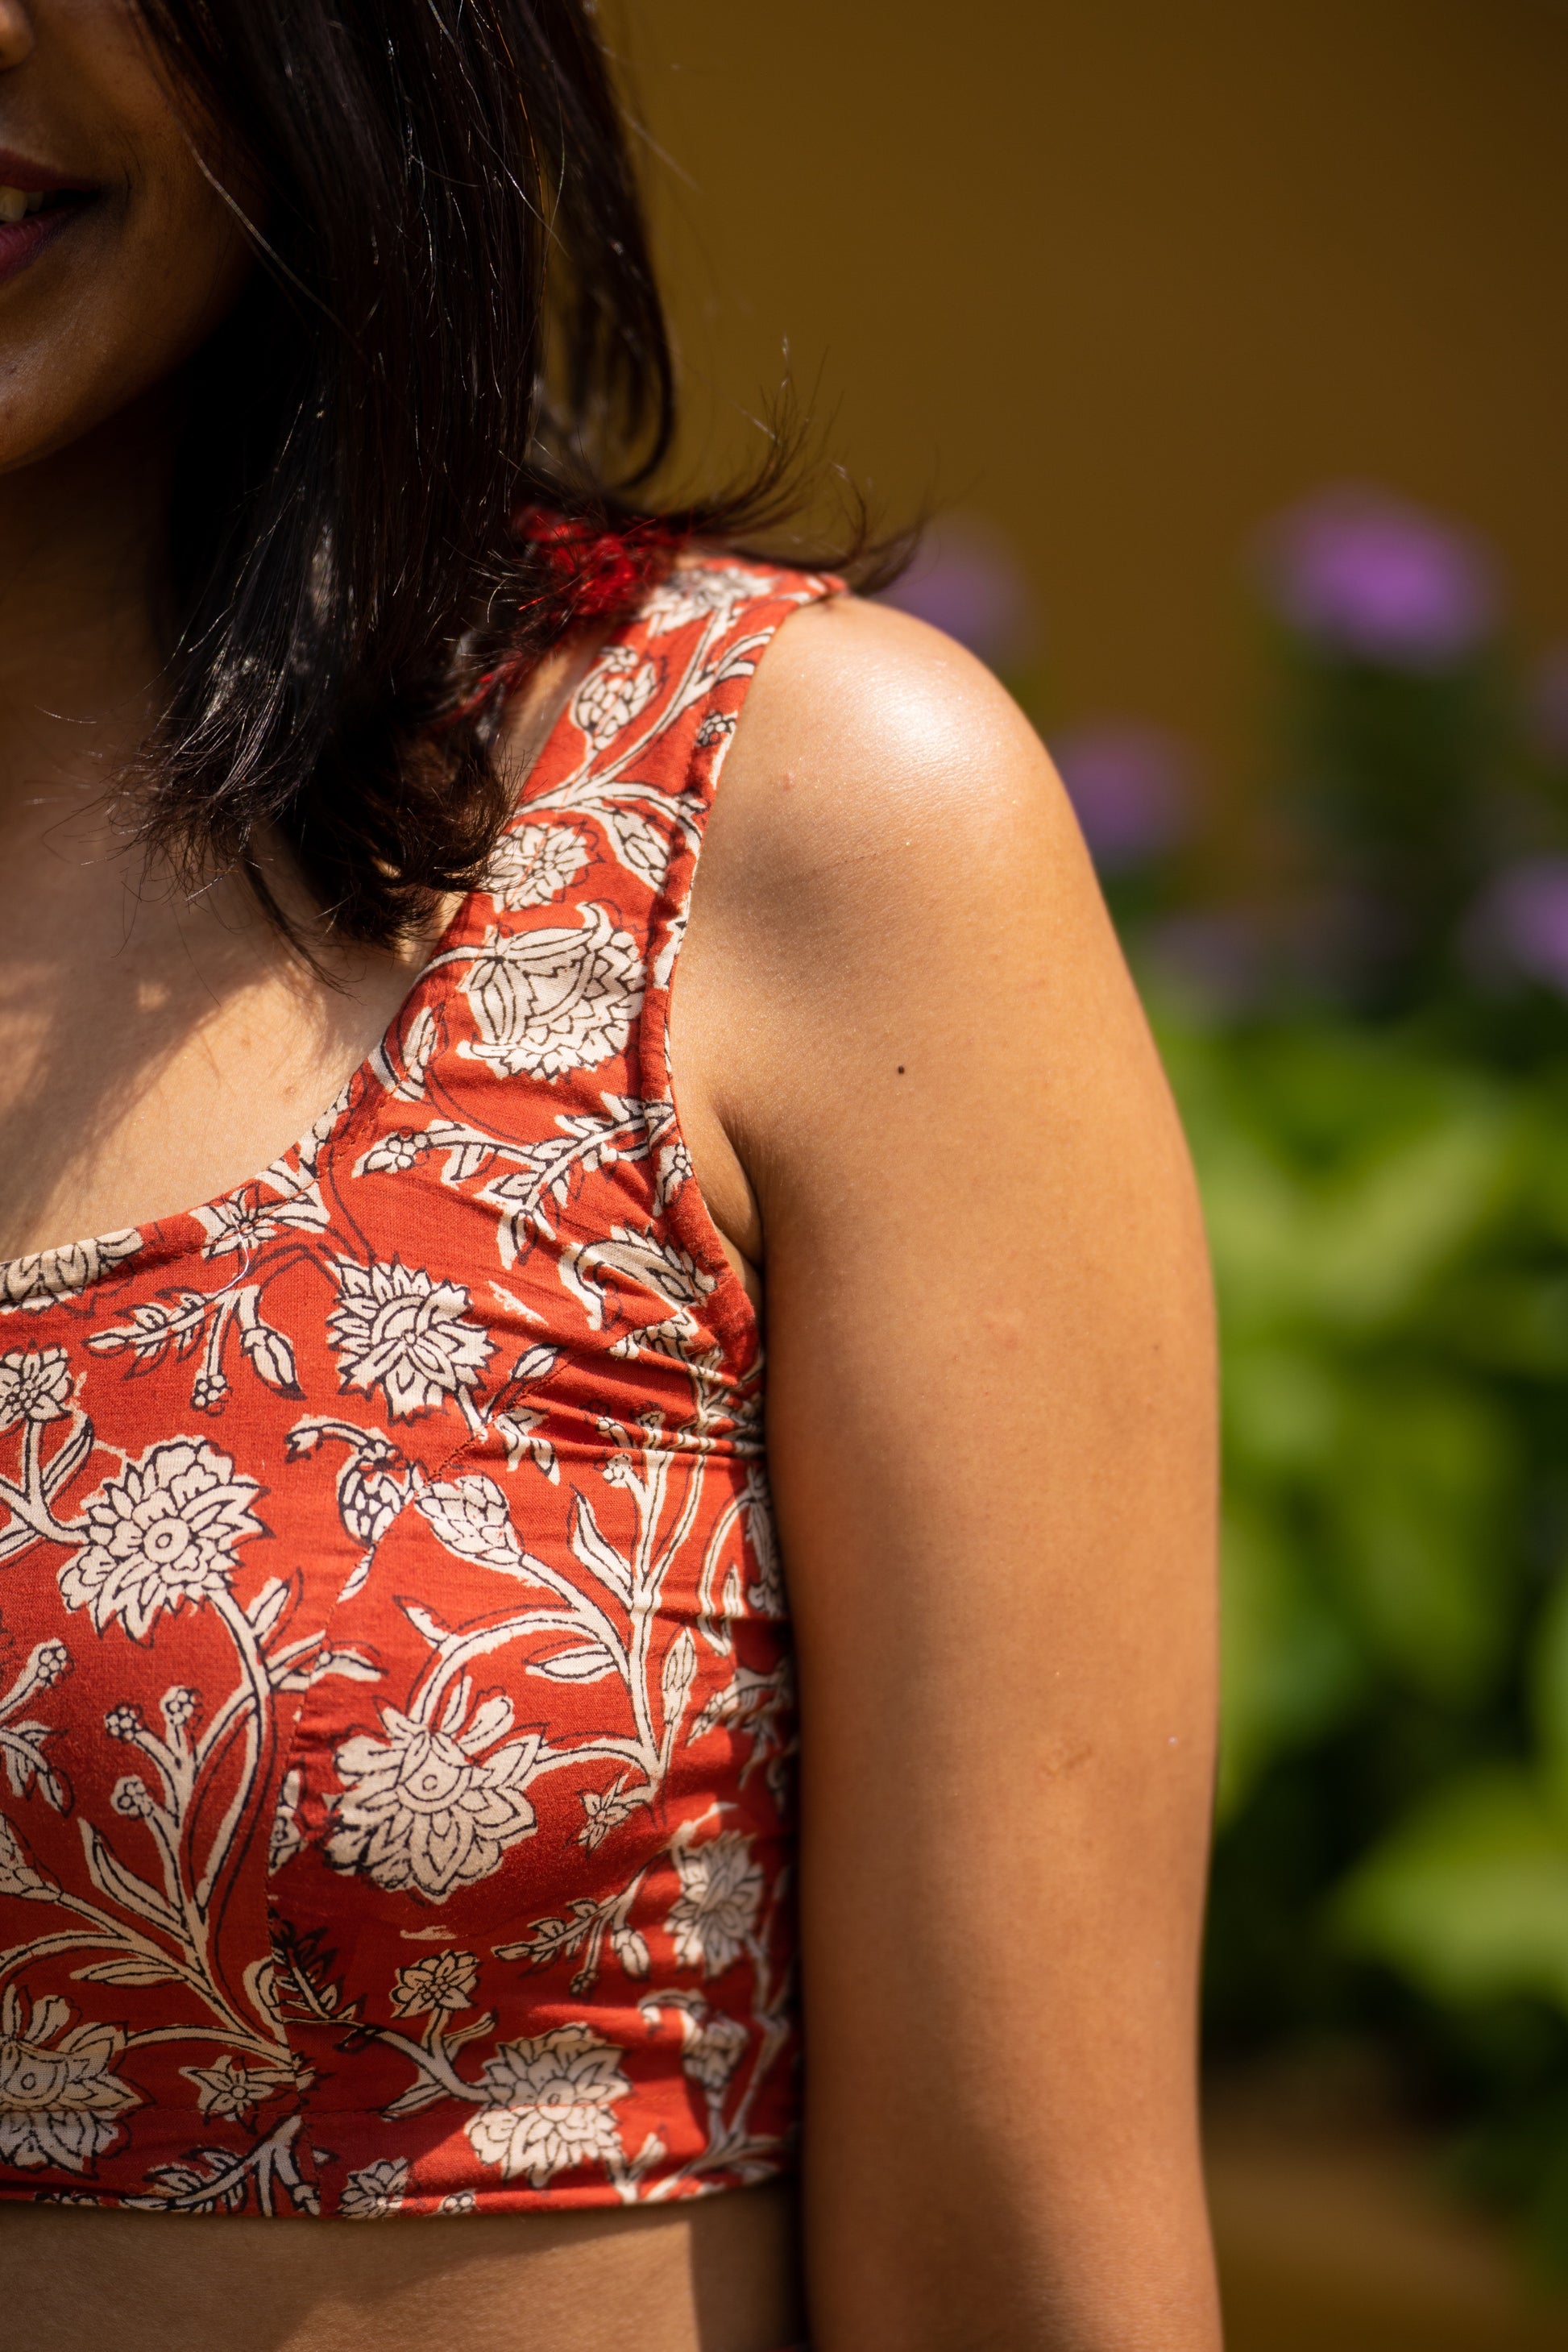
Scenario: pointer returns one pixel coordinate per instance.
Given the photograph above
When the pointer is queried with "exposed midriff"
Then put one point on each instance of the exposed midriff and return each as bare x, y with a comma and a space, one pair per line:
710, 2274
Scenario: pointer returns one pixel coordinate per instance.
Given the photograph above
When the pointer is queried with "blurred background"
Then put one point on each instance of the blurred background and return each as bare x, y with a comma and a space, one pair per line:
1230, 346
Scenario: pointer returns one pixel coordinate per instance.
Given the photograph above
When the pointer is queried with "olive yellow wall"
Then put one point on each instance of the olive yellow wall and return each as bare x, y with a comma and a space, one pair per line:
1127, 276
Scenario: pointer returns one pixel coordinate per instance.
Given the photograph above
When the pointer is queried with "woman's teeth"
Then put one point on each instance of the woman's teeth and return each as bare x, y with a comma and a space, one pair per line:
16, 203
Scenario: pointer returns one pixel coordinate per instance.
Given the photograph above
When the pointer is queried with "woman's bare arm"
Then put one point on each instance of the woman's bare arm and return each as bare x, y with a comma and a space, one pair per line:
917, 1081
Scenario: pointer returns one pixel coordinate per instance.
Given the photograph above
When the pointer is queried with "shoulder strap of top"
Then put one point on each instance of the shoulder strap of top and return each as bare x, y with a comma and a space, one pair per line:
641, 744
609, 825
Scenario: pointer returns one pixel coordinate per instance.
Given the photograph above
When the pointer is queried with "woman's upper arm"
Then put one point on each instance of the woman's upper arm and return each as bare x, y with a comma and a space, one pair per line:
903, 1014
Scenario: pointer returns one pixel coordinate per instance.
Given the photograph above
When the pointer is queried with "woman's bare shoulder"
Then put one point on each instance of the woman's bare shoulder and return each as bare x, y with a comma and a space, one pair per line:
894, 892
889, 819
871, 748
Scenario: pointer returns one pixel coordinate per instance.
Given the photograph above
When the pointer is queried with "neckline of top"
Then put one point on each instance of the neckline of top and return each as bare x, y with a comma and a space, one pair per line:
146, 1240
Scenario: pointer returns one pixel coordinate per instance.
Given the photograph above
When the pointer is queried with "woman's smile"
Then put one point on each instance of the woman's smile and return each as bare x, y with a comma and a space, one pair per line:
30, 222
36, 204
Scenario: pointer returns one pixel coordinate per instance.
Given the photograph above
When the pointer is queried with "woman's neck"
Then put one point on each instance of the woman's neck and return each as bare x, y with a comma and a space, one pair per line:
83, 539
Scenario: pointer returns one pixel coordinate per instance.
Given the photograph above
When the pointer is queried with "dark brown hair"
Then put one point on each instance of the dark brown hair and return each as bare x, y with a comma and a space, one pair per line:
453, 324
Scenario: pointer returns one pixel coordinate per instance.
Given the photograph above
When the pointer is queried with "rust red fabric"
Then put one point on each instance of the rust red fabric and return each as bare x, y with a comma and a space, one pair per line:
395, 1712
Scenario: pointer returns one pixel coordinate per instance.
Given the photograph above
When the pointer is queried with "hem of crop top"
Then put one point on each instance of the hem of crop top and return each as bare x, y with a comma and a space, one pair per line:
362, 2156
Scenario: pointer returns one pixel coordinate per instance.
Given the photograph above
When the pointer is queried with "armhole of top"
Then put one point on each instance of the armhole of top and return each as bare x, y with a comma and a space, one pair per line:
728, 1305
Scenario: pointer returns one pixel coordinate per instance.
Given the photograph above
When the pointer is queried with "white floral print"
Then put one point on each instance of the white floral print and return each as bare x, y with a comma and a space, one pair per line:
551, 1001
550, 2100
233, 2089
396, 1330
473, 1518
674, 1170
652, 1264
244, 1220
161, 1537
765, 1594
59, 2097
45, 1276
713, 2050
184, 1319
34, 1387
17, 1875
696, 594
436, 1986
420, 1813
720, 1890
374, 2191
287, 1838
618, 688
533, 864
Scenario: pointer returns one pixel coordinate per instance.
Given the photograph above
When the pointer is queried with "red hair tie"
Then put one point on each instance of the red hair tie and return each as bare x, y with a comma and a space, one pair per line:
593, 574
598, 573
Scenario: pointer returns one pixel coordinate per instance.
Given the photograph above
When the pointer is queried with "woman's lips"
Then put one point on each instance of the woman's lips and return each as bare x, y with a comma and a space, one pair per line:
19, 171
24, 235
37, 203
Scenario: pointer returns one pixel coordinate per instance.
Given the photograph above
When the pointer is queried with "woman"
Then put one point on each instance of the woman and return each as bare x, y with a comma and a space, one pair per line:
397, 1685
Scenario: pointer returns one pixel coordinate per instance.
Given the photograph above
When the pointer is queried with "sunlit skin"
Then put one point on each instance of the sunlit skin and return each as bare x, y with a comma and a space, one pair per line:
926, 1114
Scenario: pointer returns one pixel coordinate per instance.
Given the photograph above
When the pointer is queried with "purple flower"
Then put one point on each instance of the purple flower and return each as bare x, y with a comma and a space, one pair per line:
1367, 575
1521, 925
967, 582
1129, 787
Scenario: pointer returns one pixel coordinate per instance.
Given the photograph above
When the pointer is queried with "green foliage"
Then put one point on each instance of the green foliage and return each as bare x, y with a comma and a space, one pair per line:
1358, 1193
1387, 1218
1370, 1055
1468, 1896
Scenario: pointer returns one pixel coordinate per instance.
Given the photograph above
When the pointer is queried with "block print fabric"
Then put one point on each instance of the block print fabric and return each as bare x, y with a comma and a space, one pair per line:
395, 1708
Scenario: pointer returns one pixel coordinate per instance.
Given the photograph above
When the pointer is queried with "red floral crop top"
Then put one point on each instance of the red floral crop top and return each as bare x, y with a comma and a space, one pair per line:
395, 1688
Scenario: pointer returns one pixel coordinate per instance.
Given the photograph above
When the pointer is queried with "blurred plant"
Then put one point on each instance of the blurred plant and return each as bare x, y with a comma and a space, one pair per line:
1389, 1229
1211, 964
1371, 579
1131, 791
1517, 929
1373, 1069
1547, 707
1398, 737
